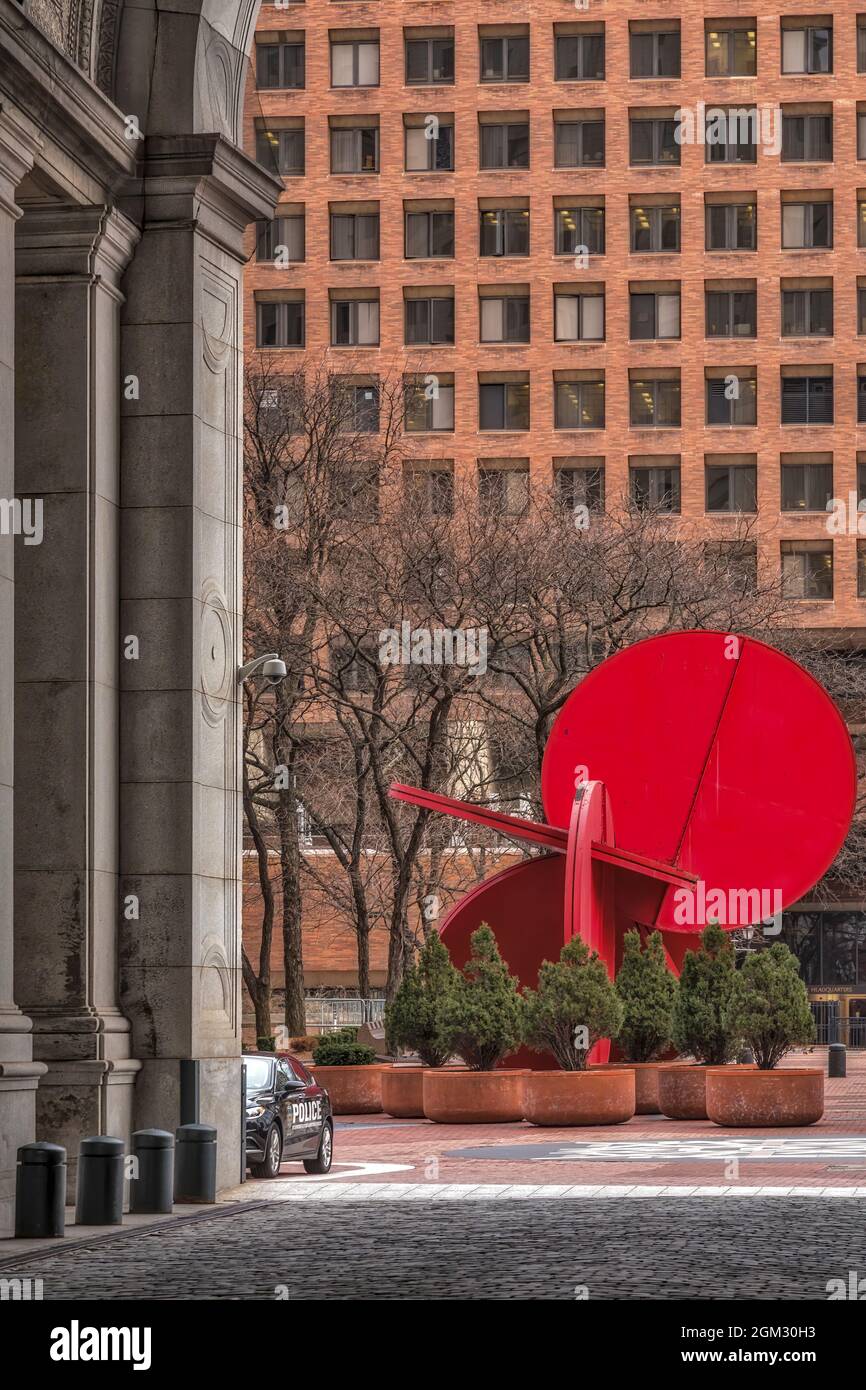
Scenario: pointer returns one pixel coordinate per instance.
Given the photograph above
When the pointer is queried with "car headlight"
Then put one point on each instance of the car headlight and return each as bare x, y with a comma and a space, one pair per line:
253, 1111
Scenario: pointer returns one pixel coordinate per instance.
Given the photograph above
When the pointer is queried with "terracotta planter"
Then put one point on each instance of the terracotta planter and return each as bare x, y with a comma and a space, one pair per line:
682, 1091
353, 1090
646, 1084
454, 1097
601, 1096
743, 1097
403, 1092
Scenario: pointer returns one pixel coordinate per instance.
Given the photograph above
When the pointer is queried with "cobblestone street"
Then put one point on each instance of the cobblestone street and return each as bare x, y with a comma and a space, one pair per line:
661, 1248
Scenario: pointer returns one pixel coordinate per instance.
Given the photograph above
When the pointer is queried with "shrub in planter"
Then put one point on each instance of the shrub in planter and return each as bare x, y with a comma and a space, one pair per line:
647, 990
349, 1073
305, 1043
414, 1021
481, 1015
702, 1024
268, 1044
769, 1008
481, 1023
574, 1006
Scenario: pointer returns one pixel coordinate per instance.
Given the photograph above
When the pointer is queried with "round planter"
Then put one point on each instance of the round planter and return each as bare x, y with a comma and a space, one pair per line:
682, 1091
454, 1097
602, 1096
353, 1090
646, 1084
745, 1098
403, 1092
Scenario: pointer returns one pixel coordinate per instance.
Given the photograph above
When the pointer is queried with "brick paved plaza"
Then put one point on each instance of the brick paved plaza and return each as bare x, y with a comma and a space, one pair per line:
654, 1209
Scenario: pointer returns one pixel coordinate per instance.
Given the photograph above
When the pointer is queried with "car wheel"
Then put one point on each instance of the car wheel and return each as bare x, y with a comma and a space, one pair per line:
322, 1162
273, 1154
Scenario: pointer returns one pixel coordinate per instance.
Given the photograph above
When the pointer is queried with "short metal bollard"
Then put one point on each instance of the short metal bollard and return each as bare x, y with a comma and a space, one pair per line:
195, 1164
837, 1060
40, 1191
99, 1193
152, 1186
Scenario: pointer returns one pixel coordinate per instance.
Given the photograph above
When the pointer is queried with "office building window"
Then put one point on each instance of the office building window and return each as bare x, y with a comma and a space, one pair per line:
429, 235
807, 400
355, 63
429, 320
579, 57
505, 232
656, 488
654, 403
653, 141
732, 400
578, 404
279, 65
505, 59
806, 48
731, 487
577, 228
280, 325
504, 318
655, 229
354, 236
503, 405
505, 146
807, 569
281, 238
731, 52
731, 313
503, 491
354, 149
655, 54
579, 144
430, 148
807, 313
731, 226
354, 322
654, 315
806, 487
807, 226
807, 138
578, 317
429, 61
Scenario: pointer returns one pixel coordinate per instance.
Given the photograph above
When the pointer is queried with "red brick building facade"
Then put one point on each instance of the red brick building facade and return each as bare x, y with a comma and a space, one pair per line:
625, 244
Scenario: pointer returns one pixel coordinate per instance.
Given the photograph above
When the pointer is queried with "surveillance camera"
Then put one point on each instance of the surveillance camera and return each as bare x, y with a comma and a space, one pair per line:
274, 670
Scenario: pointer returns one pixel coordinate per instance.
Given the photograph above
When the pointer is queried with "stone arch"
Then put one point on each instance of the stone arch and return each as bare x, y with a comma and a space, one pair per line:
178, 72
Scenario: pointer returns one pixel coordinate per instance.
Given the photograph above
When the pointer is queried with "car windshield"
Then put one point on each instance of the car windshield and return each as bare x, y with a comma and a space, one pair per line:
258, 1073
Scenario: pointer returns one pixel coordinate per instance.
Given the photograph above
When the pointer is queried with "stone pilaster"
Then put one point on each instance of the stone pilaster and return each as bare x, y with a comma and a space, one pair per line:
69, 262
181, 496
19, 1074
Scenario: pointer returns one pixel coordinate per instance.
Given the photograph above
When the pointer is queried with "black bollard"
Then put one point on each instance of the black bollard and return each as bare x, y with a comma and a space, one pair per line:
99, 1193
837, 1060
40, 1191
153, 1178
195, 1164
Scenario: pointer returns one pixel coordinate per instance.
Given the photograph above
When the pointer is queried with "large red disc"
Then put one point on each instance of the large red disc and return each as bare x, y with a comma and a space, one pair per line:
719, 755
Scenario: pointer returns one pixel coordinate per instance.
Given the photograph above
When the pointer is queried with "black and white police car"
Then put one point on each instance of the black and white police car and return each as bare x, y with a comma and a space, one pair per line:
289, 1116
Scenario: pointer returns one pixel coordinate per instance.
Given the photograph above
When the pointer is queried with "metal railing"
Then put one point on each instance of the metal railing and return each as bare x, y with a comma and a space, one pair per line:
327, 1015
830, 1029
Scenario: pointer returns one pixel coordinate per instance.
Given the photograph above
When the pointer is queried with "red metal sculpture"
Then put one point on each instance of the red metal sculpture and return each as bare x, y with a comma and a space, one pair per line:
728, 773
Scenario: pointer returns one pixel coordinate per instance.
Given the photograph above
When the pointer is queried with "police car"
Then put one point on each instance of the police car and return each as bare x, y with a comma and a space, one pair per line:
289, 1116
